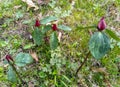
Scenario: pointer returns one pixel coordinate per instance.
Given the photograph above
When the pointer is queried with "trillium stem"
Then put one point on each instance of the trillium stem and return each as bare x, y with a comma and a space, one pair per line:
88, 27
16, 72
87, 55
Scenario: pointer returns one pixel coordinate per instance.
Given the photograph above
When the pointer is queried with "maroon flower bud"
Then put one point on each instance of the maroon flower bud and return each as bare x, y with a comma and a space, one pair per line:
37, 23
54, 27
102, 24
8, 58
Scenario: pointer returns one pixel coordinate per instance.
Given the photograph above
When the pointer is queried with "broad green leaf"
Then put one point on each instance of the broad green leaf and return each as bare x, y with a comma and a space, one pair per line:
23, 59
37, 36
28, 46
46, 28
112, 34
99, 44
53, 41
11, 75
63, 27
48, 19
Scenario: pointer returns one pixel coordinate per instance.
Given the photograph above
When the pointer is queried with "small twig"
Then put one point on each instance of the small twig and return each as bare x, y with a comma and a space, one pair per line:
82, 63
106, 80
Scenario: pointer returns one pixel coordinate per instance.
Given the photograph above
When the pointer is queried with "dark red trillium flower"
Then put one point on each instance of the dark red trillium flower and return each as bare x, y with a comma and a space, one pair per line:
54, 27
37, 23
102, 24
8, 58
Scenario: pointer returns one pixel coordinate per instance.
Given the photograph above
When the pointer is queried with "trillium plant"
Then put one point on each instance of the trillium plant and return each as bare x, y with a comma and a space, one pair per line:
12, 73
48, 25
46, 31
99, 43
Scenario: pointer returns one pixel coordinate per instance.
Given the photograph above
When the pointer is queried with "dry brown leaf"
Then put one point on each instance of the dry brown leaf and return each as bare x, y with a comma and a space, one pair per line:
102, 70
18, 6
34, 55
30, 84
39, 16
59, 36
31, 4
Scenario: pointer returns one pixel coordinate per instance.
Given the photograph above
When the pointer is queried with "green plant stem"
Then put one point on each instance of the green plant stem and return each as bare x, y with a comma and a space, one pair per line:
16, 72
82, 63
87, 27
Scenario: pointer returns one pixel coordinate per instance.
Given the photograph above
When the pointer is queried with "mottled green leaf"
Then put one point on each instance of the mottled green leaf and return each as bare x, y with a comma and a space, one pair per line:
53, 41
65, 28
37, 36
48, 19
99, 44
11, 75
23, 59
112, 34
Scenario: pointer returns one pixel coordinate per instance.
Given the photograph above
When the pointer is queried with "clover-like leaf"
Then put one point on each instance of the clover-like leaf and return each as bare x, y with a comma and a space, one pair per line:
99, 44
3, 43
28, 46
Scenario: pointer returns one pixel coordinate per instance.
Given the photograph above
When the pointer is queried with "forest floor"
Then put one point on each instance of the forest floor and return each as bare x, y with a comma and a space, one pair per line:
17, 19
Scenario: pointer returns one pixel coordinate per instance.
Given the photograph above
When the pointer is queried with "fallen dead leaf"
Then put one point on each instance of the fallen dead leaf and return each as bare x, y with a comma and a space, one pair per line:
30, 84
102, 70
59, 36
31, 4
34, 55
18, 6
